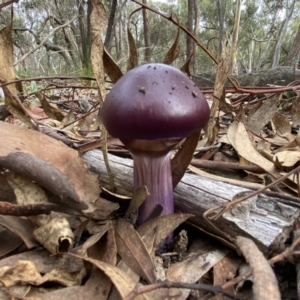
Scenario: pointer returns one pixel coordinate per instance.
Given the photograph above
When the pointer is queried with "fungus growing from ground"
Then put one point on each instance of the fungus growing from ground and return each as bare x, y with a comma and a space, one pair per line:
150, 109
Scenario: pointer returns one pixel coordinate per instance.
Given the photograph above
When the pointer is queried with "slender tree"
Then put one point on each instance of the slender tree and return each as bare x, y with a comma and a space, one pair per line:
235, 36
146, 35
283, 30
293, 58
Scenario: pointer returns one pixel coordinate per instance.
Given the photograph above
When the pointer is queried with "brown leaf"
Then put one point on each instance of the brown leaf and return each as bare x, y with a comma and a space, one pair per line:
50, 110
121, 280
259, 118
286, 159
6, 191
295, 111
44, 261
49, 163
111, 68
224, 271
265, 285
63, 293
133, 53
15, 107
92, 240
282, 125
133, 251
98, 285
22, 227
9, 242
139, 196
201, 258
222, 71
239, 139
183, 157
160, 228
174, 50
26, 272
186, 67
56, 236
28, 192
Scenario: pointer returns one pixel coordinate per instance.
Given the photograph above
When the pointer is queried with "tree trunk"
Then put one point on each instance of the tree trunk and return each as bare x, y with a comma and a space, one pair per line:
267, 218
110, 25
85, 35
293, 58
221, 13
235, 37
280, 76
146, 35
189, 25
195, 32
283, 30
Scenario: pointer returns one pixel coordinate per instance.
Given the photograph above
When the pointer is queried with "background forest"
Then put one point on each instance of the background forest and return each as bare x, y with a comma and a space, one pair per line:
236, 180
53, 37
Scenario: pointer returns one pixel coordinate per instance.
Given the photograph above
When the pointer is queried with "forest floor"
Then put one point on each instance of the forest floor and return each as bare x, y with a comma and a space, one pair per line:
66, 234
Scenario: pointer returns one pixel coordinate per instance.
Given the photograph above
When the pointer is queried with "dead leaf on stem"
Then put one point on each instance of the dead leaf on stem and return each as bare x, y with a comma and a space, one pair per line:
174, 50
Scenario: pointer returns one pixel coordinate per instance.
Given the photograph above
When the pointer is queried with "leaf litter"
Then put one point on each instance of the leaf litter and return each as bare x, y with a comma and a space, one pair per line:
91, 251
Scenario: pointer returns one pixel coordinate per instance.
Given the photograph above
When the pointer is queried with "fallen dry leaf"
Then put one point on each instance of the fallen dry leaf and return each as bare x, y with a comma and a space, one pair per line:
133, 251
259, 118
44, 262
56, 236
156, 230
22, 227
281, 125
26, 272
123, 283
50, 110
98, 285
49, 163
224, 271
28, 192
9, 242
183, 157
201, 258
139, 196
285, 159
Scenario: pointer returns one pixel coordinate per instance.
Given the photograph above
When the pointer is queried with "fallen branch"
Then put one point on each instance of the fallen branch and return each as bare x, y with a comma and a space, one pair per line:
265, 218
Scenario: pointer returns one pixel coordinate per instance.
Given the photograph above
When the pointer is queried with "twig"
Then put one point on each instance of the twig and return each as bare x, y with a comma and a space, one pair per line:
26, 210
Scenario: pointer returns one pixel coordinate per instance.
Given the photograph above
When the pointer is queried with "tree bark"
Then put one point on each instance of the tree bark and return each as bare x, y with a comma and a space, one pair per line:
235, 37
189, 25
283, 30
267, 219
146, 35
85, 36
293, 58
221, 13
110, 25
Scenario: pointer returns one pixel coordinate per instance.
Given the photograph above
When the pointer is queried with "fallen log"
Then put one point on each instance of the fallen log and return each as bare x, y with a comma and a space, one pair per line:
266, 219
281, 76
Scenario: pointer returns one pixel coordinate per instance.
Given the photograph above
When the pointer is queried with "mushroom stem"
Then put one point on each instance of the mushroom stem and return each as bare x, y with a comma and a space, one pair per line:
155, 173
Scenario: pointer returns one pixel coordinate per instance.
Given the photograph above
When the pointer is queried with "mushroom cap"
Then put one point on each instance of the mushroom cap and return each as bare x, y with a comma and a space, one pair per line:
154, 102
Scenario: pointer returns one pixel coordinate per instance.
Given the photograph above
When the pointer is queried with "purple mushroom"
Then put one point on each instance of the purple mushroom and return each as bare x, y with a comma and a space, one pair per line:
150, 109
